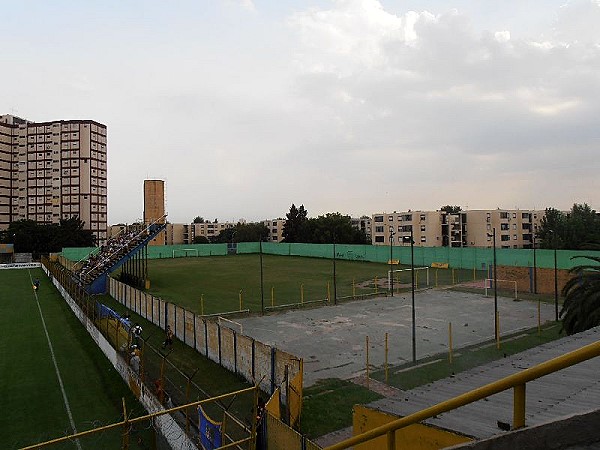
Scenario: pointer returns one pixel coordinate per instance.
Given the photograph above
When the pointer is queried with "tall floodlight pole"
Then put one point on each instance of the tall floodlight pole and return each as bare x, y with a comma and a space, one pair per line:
412, 271
391, 260
495, 289
555, 277
262, 292
534, 266
334, 276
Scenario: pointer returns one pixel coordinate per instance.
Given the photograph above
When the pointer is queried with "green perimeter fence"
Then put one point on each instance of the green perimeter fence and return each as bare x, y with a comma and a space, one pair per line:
478, 258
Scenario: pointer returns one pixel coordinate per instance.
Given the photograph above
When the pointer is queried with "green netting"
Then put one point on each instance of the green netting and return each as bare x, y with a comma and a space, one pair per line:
460, 258
77, 253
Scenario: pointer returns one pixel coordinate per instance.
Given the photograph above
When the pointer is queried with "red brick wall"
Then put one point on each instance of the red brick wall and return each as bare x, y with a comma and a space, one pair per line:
523, 276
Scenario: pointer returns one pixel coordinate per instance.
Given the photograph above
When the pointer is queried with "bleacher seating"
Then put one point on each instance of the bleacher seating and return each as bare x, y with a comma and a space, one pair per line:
92, 272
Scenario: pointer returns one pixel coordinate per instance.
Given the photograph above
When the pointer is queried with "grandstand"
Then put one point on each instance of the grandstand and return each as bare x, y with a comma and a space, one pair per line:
92, 273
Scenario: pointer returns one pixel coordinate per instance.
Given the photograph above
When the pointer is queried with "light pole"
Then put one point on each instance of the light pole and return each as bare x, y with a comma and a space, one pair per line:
334, 277
391, 260
412, 271
495, 287
534, 265
262, 292
555, 277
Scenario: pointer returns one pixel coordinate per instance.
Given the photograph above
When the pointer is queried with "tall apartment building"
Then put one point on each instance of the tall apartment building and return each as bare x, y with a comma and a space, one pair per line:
514, 228
53, 170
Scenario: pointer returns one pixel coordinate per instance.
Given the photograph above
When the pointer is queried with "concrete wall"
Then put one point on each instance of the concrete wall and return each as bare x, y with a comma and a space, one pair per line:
579, 430
255, 361
524, 278
414, 437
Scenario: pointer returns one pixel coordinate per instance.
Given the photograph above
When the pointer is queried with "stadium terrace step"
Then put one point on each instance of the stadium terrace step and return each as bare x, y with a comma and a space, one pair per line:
93, 276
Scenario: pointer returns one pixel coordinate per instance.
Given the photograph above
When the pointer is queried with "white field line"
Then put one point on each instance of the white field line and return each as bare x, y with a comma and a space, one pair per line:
60, 381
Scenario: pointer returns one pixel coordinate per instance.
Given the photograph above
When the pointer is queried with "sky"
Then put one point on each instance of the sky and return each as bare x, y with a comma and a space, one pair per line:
244, 107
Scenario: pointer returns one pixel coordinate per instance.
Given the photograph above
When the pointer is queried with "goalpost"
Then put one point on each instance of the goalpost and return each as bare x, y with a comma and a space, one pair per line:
502, 284
417, 276
184, 252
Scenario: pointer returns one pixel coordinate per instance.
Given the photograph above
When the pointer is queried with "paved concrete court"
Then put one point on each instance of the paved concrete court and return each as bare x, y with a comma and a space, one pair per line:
332, 339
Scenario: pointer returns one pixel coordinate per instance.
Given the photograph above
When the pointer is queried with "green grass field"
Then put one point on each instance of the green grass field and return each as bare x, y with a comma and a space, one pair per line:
219, 280
32, 399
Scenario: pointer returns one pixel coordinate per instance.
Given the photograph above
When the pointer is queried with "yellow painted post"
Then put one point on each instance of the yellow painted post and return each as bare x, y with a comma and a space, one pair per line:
367, 353
376, 286
386, 358
474, 275
391, 440
241, 300
272, 296
539, 318
453, 282
202, 304
498, 328
436, 277
353, 288
450, 342
302, 293
416, 280
519, 406
328, 293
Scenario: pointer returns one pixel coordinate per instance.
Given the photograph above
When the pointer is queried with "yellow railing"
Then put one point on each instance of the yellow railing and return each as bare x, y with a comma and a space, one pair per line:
126, 423
516, 381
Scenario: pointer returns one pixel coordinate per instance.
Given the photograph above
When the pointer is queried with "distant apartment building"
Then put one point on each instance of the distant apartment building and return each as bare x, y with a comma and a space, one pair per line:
53, 170
474, 228
275, 227
363, 224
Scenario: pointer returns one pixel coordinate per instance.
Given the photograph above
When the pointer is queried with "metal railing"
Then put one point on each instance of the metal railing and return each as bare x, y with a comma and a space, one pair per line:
516, 381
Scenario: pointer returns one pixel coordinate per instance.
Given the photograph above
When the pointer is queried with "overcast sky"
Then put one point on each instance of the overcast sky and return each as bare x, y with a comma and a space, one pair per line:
356, 106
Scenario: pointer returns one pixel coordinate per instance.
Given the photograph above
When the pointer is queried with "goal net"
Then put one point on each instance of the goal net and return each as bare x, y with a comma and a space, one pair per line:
402, 276
184, 252
502, 285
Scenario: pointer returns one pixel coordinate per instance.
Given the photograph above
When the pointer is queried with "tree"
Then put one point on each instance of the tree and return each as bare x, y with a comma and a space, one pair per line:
293, 230
451, 209
324, 229
201, 240
243, 232
581, 308
30, 237
575, 230
198, 219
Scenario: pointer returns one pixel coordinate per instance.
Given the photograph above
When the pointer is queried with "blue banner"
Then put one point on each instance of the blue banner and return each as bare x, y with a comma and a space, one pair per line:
210, 431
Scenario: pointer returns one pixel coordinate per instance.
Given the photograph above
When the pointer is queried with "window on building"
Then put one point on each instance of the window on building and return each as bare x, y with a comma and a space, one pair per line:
378, 218
422, 227
504, 215
379, 229
504, 226
423, 239
422, 216
505, 237
379, 239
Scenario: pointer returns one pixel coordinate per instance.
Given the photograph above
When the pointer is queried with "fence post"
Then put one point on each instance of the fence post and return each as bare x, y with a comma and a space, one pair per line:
376, 286
367, 359
519, 406
450, 342
386, 358
353, 289
272, 296
273, 371
125, 426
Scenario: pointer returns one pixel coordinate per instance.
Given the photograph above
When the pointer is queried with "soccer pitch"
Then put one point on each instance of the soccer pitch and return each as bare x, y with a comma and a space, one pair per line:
54, 380
286, 280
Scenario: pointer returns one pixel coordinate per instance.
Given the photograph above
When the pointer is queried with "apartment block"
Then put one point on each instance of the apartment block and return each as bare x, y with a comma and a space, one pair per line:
53, 170
275, 227
474, 228
363, 224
